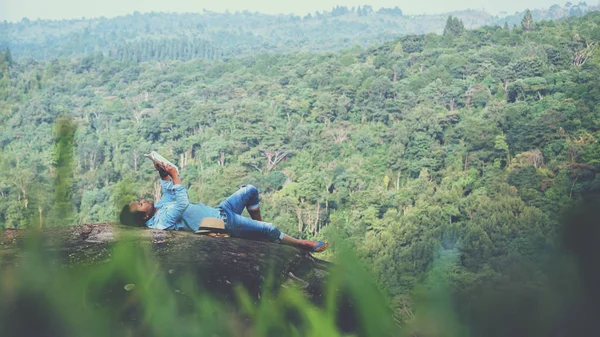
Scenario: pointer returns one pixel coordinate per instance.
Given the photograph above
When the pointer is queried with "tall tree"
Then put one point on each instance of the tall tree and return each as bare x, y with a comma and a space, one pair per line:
454, 26
63, 210
527, 22
8, 56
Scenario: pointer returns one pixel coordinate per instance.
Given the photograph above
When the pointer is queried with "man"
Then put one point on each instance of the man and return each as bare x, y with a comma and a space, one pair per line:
174, 212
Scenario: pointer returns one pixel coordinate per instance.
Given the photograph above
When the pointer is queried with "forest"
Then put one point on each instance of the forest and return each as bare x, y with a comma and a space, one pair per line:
212, 35
468, 146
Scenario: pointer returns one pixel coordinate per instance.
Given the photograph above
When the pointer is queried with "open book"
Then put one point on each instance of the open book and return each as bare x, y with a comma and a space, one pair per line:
160, 160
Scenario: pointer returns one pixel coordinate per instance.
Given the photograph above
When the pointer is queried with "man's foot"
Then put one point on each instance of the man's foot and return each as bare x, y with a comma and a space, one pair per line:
318, 246
307, 245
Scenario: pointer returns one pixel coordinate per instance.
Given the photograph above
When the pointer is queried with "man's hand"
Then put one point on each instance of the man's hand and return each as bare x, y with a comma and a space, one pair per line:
172, 171
162, 172
159, 168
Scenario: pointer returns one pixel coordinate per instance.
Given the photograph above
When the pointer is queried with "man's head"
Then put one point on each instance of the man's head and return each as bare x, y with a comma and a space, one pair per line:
137, 213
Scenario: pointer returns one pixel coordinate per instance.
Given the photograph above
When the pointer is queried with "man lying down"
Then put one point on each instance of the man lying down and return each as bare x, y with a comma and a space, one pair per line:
174, 212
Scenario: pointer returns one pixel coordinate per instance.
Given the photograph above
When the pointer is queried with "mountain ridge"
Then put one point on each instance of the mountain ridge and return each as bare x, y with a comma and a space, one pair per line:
211, 35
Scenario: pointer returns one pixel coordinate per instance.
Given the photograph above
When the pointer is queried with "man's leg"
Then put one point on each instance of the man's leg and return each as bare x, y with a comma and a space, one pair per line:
304, 244
251, 229
246, 197
255, 214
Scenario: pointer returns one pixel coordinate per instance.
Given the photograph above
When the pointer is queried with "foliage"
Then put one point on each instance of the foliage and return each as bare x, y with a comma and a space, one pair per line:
210, 35
454, 26
476, 143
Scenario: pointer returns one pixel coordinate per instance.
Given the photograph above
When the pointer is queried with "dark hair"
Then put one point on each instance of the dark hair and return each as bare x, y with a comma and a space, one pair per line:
129, 218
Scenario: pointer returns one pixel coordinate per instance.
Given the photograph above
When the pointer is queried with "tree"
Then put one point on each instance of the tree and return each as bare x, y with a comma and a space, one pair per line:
454, 26
8, 56
63, 210
502, 147
390, 11
527, 22
274, 157
582, 56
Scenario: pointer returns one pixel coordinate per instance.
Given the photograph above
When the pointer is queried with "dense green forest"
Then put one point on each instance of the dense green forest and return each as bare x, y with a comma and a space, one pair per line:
211, 35
466, 145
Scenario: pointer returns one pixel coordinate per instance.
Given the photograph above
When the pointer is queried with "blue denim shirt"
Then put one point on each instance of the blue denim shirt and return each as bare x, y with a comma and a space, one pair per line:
175, 211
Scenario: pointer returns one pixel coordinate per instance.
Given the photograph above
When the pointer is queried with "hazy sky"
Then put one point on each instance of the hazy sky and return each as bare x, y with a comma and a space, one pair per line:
15, 10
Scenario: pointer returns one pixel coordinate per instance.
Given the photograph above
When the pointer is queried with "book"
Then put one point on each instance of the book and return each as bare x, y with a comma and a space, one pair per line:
160, 160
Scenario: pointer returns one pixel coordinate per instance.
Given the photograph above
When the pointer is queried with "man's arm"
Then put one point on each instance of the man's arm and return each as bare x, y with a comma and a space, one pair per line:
168, 193
172, 171
173, 191
181, 196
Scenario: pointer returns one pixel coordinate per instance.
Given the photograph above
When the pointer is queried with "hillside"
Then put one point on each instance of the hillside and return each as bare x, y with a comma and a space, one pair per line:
466, 147
555, 12
210, 35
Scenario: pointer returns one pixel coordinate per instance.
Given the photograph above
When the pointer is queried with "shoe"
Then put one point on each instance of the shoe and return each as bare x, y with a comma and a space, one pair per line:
320, 247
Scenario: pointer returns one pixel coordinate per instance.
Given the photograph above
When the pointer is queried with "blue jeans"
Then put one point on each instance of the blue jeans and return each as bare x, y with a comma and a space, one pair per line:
240, 226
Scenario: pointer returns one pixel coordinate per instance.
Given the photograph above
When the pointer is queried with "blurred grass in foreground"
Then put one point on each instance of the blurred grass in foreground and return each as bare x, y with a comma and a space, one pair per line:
130, 296
133, 295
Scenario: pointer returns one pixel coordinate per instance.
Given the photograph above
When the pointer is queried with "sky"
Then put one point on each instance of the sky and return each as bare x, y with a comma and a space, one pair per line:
15, 10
